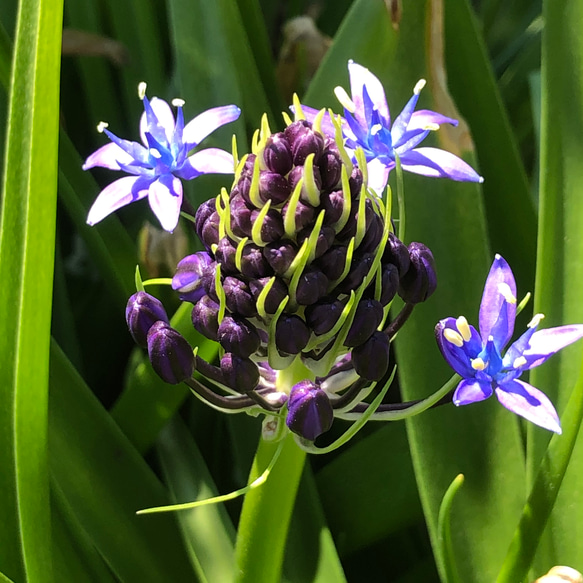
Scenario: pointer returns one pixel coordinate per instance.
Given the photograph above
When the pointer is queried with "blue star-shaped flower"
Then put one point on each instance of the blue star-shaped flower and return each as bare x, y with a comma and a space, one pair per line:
477, 356
367, 124
162, 161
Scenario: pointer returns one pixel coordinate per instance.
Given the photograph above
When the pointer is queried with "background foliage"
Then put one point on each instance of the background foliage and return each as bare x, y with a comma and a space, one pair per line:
89, 435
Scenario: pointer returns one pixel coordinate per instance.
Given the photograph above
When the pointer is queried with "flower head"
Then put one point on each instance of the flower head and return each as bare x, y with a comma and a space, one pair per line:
158, 165
477, 357
367, 125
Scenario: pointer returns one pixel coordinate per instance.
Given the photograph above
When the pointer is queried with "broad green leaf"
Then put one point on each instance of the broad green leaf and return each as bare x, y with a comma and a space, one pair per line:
105, 481
27, 234
560, 253
208, 531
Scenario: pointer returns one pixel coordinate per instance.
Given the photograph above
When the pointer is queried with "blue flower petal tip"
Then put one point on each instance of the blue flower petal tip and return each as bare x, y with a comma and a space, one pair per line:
157, 165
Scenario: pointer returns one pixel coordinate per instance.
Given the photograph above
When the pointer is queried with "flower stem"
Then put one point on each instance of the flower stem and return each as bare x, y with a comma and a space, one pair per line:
267, 510
266, 513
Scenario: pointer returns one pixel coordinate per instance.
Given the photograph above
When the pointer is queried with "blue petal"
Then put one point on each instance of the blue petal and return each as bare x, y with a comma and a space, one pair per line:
530, 403
158, 120
361, 77
165, 198
457, 357
471, 391
402, 120
207, 122
544, 343
438, 163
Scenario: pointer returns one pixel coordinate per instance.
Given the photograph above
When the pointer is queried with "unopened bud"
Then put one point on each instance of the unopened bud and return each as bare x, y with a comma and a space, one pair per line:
241, 374
322, 316
310, 412
277, 154
367, 318
371, 359
205, 317
312, 286
142, 312
170, 354
238, 336
291, 334
187, 280
420, 281
238, 297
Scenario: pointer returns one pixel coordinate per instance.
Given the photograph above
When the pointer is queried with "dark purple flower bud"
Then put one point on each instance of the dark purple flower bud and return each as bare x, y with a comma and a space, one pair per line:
240, 216
332, 262
324, 241
349, 229
170, 354
225, 255
208, 281
275, 295
238, 297
312, 286
210, 230
333, 204
249, 165
368, 316
204, 211
389, 284
205, 317
371, 359
187, 280
310, 412
244, 189
322, 316
304, 214
291, 334
330, 165
253, 264
280, 255
142, 312
420, 280
273, 187
277, 154
374, 230
271, 226
298, 173
396, 252
359, 269
303, 141
238, 336
355, 182
241, 374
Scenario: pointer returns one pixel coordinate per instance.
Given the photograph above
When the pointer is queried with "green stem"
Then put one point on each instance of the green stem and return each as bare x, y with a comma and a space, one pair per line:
267, 510
266, 513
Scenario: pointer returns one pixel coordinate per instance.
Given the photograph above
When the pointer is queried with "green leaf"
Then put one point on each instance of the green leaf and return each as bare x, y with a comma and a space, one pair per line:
27, 234
105, 481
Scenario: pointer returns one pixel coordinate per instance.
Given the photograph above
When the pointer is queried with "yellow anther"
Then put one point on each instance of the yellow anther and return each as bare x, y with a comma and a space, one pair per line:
478, 364
420, 84
463, 328
432, 127
177, 102
520, 361
101, 126
375, 129
506, 292
342, 96
142, 90
535, 320
453, 337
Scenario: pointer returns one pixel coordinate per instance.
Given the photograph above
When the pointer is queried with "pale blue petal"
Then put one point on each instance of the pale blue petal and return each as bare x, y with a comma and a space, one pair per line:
544, 343
424, 117
158, 120
530, 403
471, 391
209, 161
378, 175
207, 122
108, 156
165, 198
402, 120
359, 77
117, 194
437, 163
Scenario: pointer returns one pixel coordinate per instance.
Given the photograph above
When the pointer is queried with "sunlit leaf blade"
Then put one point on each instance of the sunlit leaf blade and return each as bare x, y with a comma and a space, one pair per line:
509, 206
560, 249
27, 233
105, 481
208, 531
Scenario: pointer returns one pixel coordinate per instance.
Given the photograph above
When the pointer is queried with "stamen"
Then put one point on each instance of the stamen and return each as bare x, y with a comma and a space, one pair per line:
535, 320
101, 126
142, 90
177, 102
463, 328
342, 96
375, 129
519, 362
506, 292
420, 84
432, 127
453, 337
478, 364
155, 153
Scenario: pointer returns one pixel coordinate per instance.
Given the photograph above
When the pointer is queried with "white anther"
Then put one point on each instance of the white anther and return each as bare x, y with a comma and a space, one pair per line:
375, 129
478, 364
155, 153
420, 84
344, 99
101, 126
453, 337
519, 362
142, 90
463, 328
506, 292
177, 102
535, 320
